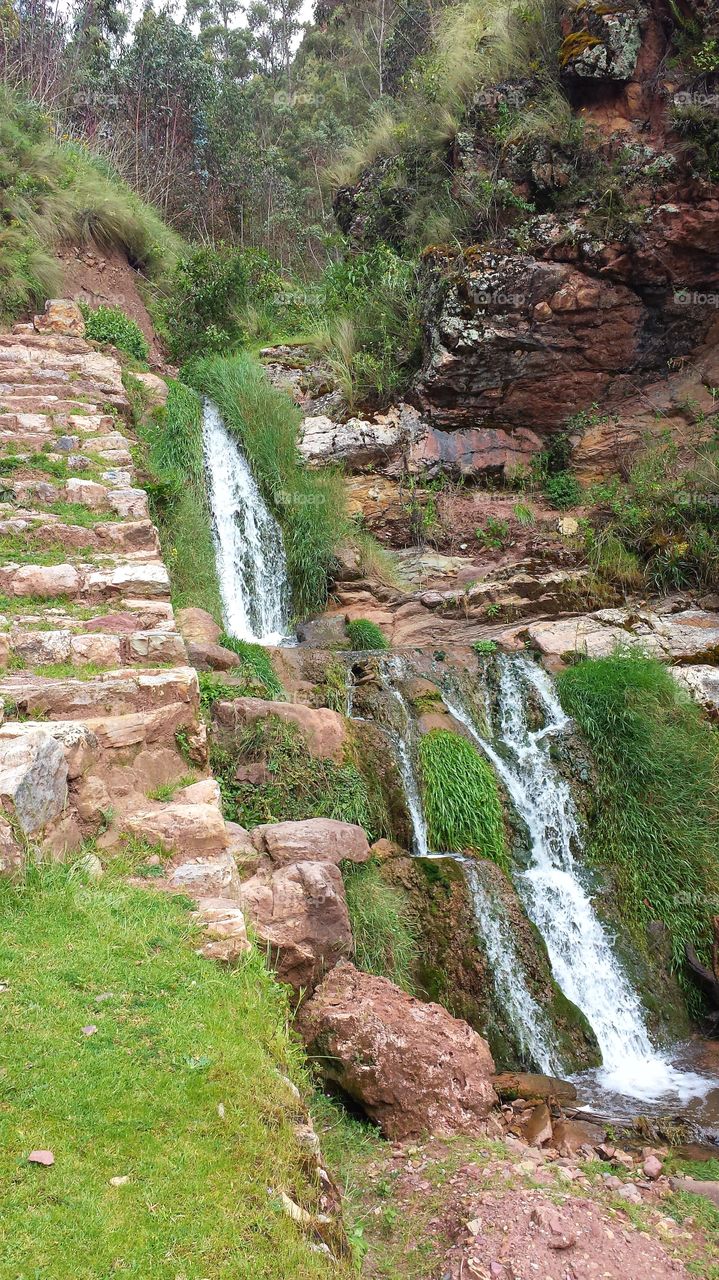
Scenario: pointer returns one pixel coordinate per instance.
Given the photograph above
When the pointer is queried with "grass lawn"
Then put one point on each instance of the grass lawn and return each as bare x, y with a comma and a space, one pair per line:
178, 1090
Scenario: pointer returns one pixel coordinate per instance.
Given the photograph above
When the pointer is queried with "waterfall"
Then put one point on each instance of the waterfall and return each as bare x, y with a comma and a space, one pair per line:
528, 1020
580, 952
392, 670
249, 550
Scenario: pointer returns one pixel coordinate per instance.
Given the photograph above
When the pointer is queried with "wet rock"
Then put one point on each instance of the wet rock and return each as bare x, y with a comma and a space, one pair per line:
411, 1066
315, 840
522, 1084
298, 912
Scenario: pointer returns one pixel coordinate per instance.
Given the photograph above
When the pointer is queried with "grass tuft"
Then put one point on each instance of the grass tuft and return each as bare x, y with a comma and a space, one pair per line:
364, 634
255, 668
383, 926
462, 806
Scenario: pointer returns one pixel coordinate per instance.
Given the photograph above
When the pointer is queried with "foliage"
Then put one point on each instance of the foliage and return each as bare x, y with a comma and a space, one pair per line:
494, 535
383, 925
461, 799
172, 443
665, 517
563, 490
298, 784
485, 646
255, 667
180, 1091
59, 193
656, 824
308, 504
364, 634
111, 325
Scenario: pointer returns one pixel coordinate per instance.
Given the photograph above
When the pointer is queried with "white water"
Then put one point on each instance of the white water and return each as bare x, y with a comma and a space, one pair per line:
250, 553
528, 1020
391, 670
580, 952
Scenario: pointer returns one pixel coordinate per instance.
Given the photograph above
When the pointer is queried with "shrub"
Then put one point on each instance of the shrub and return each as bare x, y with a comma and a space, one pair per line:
656, 824
364, 634
309, 505
461, 798
172, 441
485, 646
111, 325
383, 926
563, 490
209, 298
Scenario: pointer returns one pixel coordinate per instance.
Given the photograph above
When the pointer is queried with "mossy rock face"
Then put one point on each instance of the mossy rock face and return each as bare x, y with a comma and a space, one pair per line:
455, 972
603, 40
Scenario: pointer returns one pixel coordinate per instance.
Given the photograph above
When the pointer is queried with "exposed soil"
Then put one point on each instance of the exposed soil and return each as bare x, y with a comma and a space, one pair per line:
107, 279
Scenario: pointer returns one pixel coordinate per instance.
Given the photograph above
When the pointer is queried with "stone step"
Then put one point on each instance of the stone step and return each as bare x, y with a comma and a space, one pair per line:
44, 404
113, 693
86, 583
124, 500
131, 536
103, 648
43, 424
128, 617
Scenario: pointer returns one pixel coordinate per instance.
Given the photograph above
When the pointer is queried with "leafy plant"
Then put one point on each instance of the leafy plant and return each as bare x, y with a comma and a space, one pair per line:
112, 326
364, 634
656, 823
210, 295
461, 798
563, 490
485, 646
383, 925
494, 535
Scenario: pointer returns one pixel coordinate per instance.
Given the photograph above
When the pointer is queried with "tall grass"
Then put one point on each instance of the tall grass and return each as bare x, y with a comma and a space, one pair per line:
656, 824
461, 799
383, 926
172, 437
59, 193
309, 505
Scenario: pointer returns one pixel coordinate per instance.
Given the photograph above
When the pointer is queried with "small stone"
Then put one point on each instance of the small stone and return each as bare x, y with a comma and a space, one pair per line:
652, 1167
41, 1157
89, 1030
474, 1226
120, 1182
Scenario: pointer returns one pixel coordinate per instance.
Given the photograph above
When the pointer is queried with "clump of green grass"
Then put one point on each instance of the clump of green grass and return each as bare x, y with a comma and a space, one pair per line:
179, 1091
299, 785
214, 689
364, 634
485, 646
111, 325
383, 926
462, 805
172, 442
309, 505
255, 667
656, 824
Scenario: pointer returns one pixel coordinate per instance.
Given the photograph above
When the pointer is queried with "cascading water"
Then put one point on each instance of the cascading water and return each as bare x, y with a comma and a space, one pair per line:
250, 553
582, 959
391, 670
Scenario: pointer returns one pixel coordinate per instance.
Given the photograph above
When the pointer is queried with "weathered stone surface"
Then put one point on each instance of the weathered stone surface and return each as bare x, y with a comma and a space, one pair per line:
380, 442
113, 693
413, 1067
206, 791
690, 636
315, 840
602, 41
39, 580
155, 387
187, 829
12, 856
210, 877
211, 657
198, 626
33, 775
523, 1084
323, 730
299, 912
702, 682
225, 932
60, 316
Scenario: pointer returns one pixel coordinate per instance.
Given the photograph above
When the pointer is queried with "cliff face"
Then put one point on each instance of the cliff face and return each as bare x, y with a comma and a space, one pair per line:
594, 278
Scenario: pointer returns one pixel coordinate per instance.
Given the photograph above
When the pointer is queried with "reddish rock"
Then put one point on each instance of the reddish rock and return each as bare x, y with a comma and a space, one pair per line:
315, 840
210, 657
299, 914
412, 1067
224, 928
323, 730
197, 626
60, 316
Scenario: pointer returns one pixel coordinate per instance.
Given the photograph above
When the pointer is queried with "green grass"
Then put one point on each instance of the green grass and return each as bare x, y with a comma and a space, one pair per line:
59, 193
656, 823
309, 505
364, 634
255, 668
173, 456
461, 800
110, 325
383, 926
299, 785
179, 1091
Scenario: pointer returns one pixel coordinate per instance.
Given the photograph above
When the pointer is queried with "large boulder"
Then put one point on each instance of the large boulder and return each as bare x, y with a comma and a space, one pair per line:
323, 730
299, 913
193, 830
411, 1066
33, 776
690, 636
314, 840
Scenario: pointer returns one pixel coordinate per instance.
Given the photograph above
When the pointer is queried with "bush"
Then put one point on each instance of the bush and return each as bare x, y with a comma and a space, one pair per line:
364, 634
563, 490
111, 325
172, 440
309, 505
383, 926
656, 824
461, 799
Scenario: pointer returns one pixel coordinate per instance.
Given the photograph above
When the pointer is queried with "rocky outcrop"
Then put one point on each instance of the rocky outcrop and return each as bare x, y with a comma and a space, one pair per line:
315, 840
323, 730
702, 682
689, 636
411, 1066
